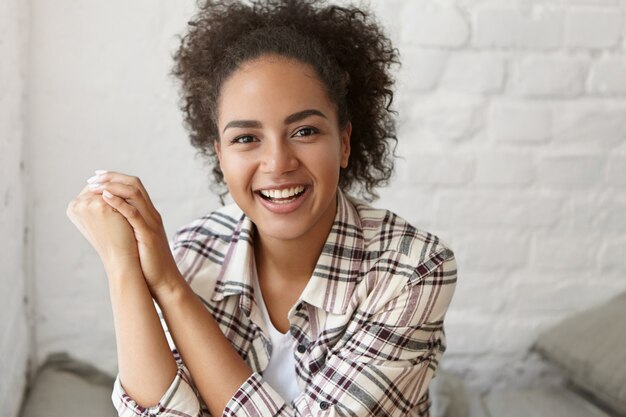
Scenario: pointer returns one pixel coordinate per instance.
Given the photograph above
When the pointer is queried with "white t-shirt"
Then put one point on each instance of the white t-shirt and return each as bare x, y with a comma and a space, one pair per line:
281, 369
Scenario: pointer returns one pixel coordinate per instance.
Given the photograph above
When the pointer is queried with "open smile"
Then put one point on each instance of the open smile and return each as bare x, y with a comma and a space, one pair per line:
283, 196
283, 200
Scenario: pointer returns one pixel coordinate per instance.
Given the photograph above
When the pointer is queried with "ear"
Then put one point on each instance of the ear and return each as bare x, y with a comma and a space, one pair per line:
345, 144
218, 150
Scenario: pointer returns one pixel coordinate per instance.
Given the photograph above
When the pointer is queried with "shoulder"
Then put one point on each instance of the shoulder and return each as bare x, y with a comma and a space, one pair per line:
218, 224
386, 234
403, 267
208, 234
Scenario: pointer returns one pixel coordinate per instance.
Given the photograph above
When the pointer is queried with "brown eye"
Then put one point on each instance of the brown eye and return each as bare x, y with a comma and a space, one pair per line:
243, 139
306, 131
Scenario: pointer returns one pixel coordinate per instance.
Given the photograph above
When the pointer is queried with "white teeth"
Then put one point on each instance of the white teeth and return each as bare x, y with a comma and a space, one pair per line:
284, 193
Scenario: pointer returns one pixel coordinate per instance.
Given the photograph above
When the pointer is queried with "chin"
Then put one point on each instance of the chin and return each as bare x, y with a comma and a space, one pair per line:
279, 231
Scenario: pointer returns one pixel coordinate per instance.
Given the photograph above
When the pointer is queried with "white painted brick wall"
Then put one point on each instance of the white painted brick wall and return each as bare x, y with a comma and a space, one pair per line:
607, 76
520, 122
549, 76
616, 171
14, 329
474, 73
518, 25
424, 67
504, 168
570, 171
589, 124
512, 129
431, 23
593, 27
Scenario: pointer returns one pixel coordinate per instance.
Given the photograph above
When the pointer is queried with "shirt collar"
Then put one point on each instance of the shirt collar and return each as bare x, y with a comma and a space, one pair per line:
236, 274
336, 272
334, 277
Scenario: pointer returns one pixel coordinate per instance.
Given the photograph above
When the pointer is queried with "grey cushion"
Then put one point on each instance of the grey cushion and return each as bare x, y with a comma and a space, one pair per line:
590, 349
67, 388
451, 398
551, 402
448, 395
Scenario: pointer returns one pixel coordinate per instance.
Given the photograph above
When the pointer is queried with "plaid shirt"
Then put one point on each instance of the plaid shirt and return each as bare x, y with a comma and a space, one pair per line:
367, 330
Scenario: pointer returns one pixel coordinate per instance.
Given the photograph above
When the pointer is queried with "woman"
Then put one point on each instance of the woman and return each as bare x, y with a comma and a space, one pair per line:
298, 299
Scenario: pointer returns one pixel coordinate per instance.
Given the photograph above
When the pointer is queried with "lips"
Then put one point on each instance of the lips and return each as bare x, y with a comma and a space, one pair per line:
284, 199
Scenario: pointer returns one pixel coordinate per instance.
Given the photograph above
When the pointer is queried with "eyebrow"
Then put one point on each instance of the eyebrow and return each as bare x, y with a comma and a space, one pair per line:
303, 115
292, 118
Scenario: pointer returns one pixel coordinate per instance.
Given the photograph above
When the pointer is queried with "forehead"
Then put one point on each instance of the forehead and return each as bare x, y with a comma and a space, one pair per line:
271, 86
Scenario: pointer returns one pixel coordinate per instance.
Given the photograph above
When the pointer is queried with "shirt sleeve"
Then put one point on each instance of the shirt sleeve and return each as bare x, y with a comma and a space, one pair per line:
384, 369
180, 399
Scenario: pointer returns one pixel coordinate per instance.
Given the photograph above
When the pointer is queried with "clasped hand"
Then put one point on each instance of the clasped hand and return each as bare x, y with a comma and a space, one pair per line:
116, 215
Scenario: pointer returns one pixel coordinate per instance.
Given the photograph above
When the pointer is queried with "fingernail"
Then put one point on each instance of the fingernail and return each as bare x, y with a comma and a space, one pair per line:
101, 171
107, 194
93, 179
93, 185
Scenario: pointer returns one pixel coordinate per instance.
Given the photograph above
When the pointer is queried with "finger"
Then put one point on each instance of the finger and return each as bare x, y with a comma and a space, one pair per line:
102, 177
131, 194
130, 212
79, 206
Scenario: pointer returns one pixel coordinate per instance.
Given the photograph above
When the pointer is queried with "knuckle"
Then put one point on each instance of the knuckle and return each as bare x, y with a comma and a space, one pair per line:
96, 204
77, 205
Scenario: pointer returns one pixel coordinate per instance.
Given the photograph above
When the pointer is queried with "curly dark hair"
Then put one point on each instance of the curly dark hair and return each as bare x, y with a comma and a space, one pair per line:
345, 46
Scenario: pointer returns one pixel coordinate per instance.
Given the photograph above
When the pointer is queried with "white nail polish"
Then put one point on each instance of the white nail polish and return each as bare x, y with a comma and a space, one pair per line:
101, 171
92, 179
93, 185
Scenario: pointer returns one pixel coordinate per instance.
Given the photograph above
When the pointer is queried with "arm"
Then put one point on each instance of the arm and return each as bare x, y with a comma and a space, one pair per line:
147, 365
217, 369
175, 394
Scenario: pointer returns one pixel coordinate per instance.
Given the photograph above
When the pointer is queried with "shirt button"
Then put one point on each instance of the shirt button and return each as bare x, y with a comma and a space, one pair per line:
324, 405
301, 348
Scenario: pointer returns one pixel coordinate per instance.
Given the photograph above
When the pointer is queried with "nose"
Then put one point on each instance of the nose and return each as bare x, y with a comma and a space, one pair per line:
278, 157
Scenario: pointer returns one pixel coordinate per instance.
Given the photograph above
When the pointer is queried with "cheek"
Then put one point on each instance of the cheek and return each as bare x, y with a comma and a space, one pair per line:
326, 160
227, 163
237, 168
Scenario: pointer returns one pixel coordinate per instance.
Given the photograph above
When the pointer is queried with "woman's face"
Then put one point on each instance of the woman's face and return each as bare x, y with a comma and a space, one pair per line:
281, 147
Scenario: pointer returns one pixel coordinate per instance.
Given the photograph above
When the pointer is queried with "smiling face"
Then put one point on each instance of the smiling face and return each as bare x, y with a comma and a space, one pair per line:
281, 148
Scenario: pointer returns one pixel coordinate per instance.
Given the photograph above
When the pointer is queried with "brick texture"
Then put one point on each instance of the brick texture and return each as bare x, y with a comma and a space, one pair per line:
549, 76
593, 27
537, 27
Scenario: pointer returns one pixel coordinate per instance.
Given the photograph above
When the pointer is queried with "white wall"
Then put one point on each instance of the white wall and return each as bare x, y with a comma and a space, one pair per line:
512, 132
14, 329
101, 99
